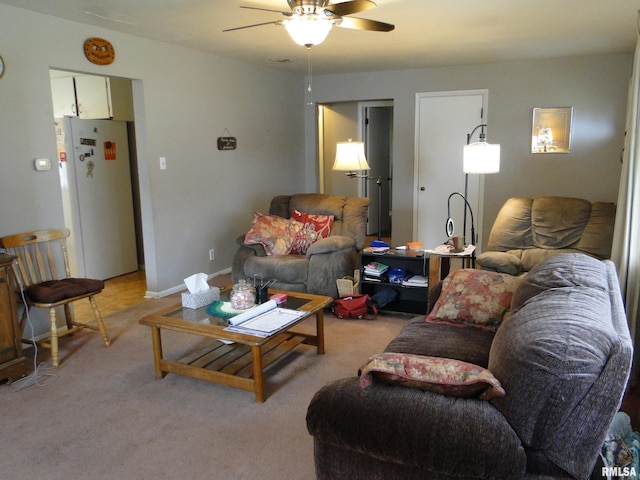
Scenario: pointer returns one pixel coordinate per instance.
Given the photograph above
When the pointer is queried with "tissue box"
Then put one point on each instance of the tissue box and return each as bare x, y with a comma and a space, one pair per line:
200, 299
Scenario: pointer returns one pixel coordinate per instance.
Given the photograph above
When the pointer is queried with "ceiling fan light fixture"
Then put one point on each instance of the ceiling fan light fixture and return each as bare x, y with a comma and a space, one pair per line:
309, 29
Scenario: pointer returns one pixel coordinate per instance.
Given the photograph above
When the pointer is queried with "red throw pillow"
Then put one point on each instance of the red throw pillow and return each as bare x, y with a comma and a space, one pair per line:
314, 227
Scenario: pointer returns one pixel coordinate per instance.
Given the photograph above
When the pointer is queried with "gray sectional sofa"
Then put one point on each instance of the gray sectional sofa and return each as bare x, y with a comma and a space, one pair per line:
562, 354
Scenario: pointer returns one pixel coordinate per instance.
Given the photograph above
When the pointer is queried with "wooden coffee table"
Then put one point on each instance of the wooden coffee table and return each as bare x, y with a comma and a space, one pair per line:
239, 364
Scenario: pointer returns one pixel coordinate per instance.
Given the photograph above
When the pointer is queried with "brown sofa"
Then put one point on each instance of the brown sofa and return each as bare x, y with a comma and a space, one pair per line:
563, 357
325, 261
529, 230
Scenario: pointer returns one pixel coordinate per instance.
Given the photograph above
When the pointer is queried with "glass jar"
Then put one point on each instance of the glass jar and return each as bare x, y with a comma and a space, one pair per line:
241, 296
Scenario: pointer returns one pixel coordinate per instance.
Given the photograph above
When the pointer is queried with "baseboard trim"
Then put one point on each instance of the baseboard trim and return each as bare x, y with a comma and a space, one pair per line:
181, 288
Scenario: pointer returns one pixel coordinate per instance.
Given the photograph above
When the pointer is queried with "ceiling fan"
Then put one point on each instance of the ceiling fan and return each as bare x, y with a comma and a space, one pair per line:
310, 21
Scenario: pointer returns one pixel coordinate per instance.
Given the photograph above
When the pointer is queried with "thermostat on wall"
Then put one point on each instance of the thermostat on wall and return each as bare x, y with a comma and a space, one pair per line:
42, 164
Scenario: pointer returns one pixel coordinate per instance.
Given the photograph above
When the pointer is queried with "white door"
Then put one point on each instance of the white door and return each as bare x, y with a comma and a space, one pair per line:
99, 209
443, 121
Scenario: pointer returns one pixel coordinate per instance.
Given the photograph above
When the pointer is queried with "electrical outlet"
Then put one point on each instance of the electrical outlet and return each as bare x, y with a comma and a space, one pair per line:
212, 255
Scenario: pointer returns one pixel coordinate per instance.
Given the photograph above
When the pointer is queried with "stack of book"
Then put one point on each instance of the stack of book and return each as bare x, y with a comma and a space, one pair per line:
374, 271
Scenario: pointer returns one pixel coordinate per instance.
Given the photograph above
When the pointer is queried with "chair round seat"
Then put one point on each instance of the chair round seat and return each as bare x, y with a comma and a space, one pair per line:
53, 291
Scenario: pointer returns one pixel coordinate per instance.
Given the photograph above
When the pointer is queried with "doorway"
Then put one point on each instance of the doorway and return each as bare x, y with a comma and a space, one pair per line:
376, 120
369, 122
97, 162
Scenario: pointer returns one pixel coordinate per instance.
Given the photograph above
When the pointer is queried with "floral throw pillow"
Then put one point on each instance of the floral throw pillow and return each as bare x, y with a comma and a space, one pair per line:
435, 374
314, 227
275, 233
474, 297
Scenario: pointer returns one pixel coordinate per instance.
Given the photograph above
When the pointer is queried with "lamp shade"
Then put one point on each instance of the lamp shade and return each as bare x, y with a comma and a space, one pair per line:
309, 29
481, 157
350, 157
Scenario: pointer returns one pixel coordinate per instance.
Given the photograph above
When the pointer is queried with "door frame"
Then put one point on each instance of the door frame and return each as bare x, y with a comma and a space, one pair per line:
475, 185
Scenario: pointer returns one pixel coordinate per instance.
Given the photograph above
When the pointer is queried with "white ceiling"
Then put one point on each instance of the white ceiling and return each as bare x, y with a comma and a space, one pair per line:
428, 33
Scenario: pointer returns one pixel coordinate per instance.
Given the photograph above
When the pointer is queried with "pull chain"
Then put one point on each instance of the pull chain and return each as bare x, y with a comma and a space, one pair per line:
310, 72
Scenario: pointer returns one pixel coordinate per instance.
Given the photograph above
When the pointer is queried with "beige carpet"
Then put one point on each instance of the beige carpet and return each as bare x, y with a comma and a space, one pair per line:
106, 416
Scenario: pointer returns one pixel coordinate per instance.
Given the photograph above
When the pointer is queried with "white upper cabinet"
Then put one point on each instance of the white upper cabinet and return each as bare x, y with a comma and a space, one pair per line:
64, 97
84, 96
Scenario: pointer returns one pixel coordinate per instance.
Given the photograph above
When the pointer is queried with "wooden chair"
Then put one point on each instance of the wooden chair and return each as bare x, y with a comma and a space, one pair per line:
41, 254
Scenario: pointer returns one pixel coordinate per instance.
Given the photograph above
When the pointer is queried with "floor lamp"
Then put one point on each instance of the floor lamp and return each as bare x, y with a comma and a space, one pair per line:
478, 158
350, 158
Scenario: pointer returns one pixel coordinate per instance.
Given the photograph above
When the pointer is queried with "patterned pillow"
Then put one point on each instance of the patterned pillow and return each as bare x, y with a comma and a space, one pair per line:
314, 227
435, 374
274, 232
474, 297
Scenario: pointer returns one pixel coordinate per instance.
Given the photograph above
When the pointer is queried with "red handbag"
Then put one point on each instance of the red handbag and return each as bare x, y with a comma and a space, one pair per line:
357, 305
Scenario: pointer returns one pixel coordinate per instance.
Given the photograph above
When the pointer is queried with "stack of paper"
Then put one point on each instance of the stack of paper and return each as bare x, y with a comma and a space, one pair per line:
264, 319
377, 247
416, 281
447, 250
376, 250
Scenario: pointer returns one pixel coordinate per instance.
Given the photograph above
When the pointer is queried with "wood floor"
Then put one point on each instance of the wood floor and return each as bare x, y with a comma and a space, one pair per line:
124, 291
119, 292
631, 405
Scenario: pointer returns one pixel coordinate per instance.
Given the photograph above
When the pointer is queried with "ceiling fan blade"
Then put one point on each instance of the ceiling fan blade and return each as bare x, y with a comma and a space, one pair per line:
348, 8
364, 24
287, 14
277, 22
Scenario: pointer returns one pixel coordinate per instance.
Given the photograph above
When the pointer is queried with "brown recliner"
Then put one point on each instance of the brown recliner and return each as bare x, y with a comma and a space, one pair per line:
325, 261
530, 230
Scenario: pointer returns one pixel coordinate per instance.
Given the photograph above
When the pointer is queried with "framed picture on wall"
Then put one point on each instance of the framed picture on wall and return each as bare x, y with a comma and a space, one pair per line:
551, 130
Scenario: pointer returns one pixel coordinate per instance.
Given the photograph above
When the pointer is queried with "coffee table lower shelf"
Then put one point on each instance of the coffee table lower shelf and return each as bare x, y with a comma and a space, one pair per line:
236, 365
232, 358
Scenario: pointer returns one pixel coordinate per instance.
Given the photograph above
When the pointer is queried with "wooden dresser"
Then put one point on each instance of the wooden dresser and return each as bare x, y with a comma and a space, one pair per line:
12, 363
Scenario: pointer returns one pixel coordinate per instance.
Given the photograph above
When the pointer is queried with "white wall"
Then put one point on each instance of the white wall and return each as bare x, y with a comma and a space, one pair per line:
183, 100
340, 125
595, 86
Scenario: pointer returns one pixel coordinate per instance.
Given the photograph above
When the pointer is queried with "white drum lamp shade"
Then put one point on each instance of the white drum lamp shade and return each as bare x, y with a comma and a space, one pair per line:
481, 157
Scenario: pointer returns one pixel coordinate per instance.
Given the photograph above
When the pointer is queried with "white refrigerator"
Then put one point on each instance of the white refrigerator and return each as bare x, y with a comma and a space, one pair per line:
95, 178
